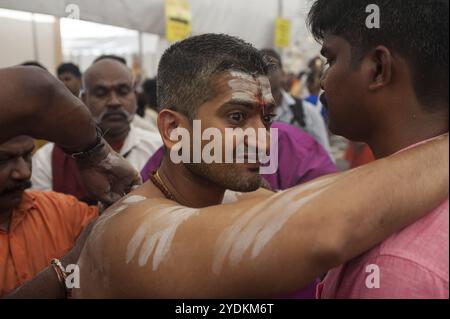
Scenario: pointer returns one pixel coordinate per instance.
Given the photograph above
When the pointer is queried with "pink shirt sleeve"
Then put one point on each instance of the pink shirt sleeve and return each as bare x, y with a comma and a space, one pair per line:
400, 278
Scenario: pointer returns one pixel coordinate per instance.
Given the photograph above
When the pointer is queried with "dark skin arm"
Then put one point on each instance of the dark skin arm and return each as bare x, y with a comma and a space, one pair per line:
35, 103
46, 285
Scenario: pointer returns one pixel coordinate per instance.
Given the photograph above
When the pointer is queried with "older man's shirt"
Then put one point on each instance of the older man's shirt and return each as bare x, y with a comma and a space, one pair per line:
44, 226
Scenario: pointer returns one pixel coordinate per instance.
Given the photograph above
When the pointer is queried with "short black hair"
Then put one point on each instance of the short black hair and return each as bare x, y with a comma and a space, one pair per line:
185, 69
273, 55
34, 63
417, 30
149, 90
112, 57
69, 68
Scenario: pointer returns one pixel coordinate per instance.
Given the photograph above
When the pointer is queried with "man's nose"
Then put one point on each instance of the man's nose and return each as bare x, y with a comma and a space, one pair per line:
21, 170
114, 100
262, 135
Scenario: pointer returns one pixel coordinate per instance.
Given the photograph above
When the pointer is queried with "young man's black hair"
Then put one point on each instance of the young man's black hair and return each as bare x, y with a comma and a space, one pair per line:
417, 30
68, 68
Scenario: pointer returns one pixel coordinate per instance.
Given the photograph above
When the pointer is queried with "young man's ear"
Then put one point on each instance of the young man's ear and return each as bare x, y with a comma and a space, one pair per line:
169, 124
380, 67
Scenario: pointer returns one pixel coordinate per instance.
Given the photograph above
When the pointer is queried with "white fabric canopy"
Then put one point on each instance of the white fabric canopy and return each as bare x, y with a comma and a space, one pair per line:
252, 20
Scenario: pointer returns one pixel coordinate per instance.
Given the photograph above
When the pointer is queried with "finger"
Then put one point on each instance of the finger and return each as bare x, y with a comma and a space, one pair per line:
134, 184
101, 208
110, 198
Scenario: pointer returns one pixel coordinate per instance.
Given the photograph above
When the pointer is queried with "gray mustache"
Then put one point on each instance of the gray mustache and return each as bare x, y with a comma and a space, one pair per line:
119, 112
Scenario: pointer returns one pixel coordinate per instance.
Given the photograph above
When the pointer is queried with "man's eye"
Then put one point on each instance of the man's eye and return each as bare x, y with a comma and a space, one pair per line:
28, 156
268, 118
100, 93
124, 90
236, 117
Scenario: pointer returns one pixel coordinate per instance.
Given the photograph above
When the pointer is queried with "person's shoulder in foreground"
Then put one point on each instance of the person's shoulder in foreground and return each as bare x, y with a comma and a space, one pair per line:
410, 264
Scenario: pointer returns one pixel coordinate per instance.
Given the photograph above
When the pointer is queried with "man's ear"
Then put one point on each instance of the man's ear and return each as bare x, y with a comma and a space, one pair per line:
380, 68
168, 122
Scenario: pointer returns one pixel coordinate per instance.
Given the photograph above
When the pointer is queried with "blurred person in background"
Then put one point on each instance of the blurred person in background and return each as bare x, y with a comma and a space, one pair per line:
294, 110
70, 75
109, 93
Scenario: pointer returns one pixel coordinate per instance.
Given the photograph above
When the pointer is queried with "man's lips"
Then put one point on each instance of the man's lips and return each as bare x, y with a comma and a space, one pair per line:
16, 189
114, 117
13, 192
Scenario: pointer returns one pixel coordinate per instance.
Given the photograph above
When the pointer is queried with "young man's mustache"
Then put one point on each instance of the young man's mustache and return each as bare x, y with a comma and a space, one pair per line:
17, 186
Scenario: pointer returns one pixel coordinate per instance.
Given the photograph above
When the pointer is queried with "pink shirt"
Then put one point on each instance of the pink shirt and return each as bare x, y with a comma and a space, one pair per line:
412, 263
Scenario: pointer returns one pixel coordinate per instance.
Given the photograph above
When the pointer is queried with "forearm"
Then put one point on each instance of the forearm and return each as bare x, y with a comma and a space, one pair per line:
44, 286
35, 103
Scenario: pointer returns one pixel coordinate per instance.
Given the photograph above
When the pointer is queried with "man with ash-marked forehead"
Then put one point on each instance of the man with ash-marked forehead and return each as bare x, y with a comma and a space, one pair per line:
173, 237
109, 92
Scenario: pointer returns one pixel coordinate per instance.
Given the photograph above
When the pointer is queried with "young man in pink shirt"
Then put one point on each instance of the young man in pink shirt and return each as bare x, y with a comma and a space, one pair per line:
387, 85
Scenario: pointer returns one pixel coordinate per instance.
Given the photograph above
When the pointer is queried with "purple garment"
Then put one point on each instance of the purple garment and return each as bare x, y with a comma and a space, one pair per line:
300, 159
152, 164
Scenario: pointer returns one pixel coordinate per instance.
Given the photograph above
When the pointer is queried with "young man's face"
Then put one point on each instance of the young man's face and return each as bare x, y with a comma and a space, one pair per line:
15, 171
72, 82
345, 90
240, 101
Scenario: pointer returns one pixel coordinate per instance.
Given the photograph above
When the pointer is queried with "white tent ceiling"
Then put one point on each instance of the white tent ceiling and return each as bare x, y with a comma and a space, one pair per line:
251, 20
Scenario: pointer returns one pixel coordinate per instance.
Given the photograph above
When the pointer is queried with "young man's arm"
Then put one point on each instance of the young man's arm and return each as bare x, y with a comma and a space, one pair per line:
265, 246
33, 102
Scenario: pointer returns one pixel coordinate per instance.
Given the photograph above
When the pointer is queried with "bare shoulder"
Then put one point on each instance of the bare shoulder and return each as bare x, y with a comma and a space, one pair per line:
232, 196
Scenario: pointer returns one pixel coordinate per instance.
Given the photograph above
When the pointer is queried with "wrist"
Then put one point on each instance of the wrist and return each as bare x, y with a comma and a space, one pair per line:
61, 275
94, 152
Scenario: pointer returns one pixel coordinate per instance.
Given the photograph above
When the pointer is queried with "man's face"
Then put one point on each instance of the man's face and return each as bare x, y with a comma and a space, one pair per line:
110, 96
345, 90
72, 82
240, 101
15, 171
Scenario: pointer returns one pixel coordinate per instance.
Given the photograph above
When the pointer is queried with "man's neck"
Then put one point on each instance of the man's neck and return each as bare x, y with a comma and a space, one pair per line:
397, 133
187, 188
5, 220
116, 139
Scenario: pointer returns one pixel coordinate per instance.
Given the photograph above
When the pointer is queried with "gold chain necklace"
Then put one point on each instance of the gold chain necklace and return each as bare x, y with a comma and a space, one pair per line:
158, 182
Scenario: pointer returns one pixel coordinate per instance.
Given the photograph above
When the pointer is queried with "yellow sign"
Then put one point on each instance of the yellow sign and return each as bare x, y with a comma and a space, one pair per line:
282, 32
178, 20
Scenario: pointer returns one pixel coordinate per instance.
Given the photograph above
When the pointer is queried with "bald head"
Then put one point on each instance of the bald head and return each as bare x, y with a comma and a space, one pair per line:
106, 69
109, 92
